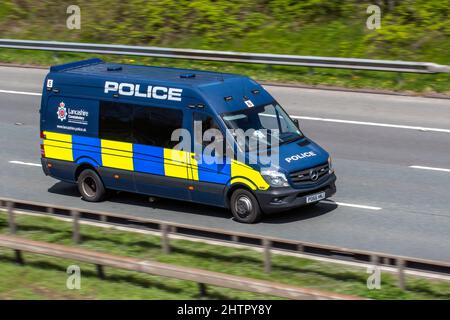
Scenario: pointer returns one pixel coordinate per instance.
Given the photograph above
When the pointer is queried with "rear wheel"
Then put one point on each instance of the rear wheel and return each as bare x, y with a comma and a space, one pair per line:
91, 186
245, 207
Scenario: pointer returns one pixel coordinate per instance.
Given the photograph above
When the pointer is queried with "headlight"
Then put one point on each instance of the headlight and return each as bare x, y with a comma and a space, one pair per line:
330, 165
275, 178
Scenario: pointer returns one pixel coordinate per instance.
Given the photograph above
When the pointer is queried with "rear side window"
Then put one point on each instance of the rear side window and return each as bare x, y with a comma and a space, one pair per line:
138, 124
154, 126
116, 121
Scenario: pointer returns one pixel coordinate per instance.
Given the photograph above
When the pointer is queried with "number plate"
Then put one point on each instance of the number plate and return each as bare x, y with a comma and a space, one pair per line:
315, 197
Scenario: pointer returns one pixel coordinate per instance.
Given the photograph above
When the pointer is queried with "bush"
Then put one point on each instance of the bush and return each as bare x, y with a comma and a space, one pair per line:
411, 29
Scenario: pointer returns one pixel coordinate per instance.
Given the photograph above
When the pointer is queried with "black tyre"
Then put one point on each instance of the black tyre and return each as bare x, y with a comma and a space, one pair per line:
245, 207
91, 186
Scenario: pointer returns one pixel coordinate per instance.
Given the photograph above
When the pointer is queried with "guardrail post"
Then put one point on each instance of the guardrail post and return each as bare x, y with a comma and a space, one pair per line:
399, 78
76, 237
165, 238
267, 256
374, 260
401, 273
11, 218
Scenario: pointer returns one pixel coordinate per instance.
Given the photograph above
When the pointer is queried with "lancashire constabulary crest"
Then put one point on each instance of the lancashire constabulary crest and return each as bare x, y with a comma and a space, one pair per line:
62, 113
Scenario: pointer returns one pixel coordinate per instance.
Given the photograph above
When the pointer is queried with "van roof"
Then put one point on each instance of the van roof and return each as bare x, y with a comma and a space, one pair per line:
212, 86
103, 69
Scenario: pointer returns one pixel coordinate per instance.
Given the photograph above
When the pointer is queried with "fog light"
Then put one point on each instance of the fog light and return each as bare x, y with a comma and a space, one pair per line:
277, 200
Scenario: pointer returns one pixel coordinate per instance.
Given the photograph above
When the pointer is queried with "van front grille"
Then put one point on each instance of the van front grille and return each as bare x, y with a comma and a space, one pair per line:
310, 175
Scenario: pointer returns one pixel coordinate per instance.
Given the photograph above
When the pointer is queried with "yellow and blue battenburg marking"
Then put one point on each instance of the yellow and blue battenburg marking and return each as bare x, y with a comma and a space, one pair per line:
58, 146
148, 159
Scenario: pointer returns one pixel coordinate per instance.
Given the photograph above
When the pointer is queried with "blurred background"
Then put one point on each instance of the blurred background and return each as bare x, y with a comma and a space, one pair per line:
410, 30
375, 139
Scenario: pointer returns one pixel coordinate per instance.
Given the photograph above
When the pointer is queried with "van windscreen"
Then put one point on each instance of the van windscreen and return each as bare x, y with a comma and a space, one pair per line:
264, 122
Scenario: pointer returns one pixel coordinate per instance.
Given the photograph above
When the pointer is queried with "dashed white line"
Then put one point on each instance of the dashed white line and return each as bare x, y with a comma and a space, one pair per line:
21, 92
324, 201
375, 124
26, 163
365, 123
352, 205
430, 168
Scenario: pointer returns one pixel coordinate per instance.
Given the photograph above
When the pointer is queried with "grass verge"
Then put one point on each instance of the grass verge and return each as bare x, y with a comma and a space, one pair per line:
45, 278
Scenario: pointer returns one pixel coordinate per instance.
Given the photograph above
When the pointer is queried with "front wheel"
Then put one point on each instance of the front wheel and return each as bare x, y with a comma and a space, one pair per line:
245, 207
91, 186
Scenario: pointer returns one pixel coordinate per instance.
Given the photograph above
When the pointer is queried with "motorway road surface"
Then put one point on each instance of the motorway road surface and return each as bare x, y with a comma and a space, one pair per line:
391, 154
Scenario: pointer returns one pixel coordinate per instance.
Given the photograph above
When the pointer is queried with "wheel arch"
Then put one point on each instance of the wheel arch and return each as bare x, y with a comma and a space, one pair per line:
234, 187
83, 166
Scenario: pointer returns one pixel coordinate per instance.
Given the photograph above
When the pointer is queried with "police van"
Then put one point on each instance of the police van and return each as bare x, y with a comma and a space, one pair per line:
107, 126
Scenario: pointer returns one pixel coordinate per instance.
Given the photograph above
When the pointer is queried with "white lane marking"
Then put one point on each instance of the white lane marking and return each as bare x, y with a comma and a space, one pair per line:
26, 163
343, 204
375, 124
323, 201
430, 168
21, 92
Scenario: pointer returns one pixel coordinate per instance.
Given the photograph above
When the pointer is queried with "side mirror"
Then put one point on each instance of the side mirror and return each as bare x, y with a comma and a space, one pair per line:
296, 123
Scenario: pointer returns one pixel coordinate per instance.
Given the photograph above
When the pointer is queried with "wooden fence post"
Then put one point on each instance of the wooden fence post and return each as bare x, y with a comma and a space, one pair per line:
76, 236
203, 290
11, 218
165, 241
100, 271
401, 273
267, 256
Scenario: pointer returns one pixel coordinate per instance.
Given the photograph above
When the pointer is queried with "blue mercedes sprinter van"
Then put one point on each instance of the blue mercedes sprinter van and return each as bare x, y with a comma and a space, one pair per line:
110, 126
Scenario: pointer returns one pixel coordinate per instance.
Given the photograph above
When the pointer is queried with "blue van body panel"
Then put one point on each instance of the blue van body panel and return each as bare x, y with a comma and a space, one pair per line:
70, 114
293, 148
214, 172
148, 159
87, 150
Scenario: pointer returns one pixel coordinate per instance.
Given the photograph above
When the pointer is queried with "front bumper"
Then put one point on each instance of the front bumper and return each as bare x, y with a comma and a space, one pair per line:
289, 198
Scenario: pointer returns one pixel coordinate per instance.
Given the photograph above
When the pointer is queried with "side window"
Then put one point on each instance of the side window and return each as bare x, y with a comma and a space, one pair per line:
154, 126
203, 123
115, 121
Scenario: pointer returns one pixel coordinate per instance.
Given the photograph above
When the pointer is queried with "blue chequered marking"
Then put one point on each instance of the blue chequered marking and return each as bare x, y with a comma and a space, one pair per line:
213, 172
85, 148
148, 159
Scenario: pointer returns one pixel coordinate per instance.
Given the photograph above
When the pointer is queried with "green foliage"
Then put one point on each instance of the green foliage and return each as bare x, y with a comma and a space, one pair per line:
43, 277
301, 12
5, 10
410, 30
